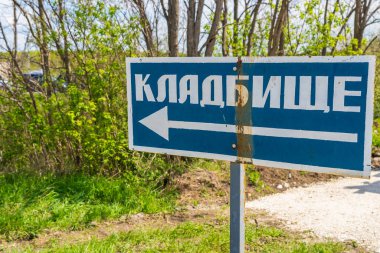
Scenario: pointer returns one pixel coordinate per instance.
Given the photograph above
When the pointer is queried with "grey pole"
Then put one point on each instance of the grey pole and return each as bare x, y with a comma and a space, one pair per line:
237, 204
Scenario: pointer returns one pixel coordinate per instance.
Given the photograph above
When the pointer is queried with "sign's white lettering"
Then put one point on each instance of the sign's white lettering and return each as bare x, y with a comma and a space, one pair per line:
273, 89
212, 91
341, 92
188, 87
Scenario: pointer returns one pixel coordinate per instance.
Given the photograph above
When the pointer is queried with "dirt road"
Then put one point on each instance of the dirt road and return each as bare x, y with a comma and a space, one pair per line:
344, 209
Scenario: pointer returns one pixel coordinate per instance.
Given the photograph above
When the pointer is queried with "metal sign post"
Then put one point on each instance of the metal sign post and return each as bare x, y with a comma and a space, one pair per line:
237, 204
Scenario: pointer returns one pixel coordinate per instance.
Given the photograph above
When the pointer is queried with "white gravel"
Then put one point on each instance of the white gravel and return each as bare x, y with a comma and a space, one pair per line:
344, 209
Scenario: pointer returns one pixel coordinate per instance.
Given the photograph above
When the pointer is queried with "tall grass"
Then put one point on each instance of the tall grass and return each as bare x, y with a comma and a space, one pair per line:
30, 203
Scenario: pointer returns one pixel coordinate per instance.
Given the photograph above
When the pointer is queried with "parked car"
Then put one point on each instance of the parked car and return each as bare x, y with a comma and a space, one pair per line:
36, 75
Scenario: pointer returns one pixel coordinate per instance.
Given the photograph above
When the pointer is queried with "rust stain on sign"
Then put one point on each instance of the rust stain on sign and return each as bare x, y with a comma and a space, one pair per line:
243, 116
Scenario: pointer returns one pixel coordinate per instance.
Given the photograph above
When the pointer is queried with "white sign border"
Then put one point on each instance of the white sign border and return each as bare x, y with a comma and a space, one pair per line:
371, 60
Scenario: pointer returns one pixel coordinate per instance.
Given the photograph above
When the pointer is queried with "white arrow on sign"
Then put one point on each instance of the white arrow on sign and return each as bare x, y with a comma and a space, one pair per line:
159, 123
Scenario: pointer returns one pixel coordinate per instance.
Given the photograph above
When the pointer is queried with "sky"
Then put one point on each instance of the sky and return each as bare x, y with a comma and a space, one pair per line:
6, 18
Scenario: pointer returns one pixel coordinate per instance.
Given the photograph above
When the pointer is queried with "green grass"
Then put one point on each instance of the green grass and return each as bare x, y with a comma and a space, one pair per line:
31, 203
195, 237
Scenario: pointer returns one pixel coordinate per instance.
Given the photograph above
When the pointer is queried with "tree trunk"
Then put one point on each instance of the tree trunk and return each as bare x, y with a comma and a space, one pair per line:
324, 49
278, 31
194, 18
224, 29
190, 28
14, 59
171, 15
146, 27
357, 23
65, 56
45, 55
173, 21
14, 28
235, 39
272, 26
211, 39
253, 26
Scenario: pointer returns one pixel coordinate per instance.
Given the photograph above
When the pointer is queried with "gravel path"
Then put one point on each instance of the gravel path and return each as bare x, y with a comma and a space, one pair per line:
344, 209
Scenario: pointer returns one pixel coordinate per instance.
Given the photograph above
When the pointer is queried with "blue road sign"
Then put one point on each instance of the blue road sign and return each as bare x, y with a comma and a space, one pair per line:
304, 113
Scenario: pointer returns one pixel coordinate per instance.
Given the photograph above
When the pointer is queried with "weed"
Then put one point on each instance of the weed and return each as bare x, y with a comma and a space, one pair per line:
254, 178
